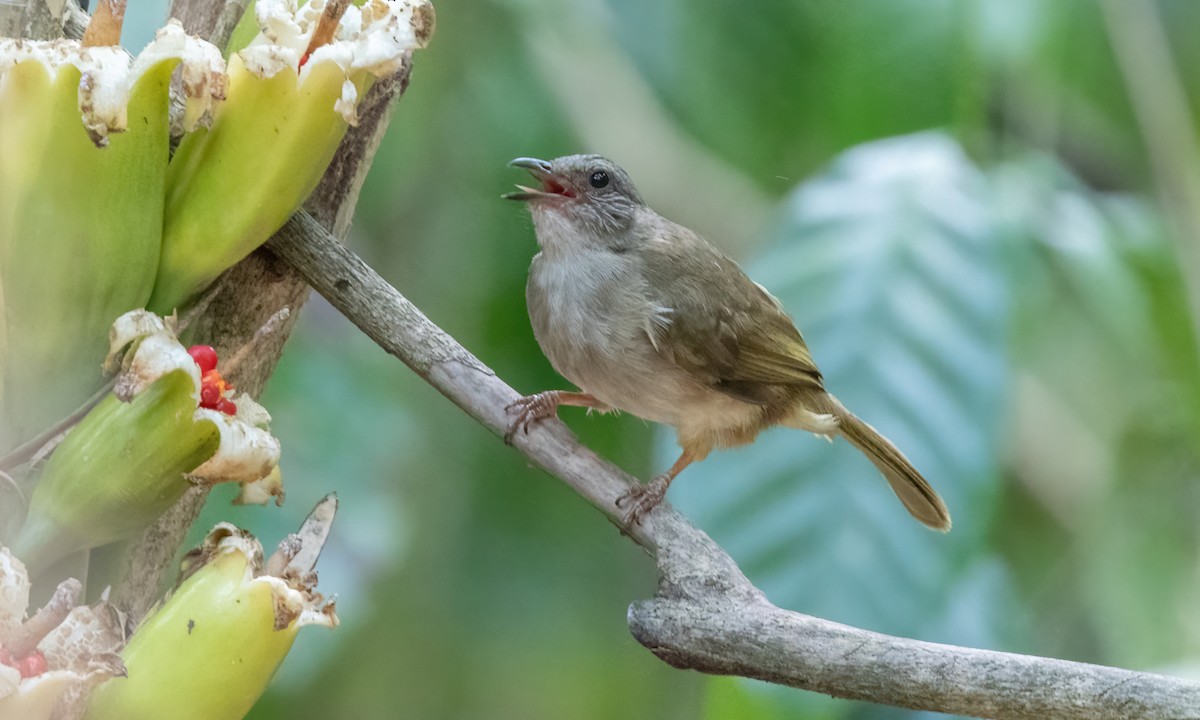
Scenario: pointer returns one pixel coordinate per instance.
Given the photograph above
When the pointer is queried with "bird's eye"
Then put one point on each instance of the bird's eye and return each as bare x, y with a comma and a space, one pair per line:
598, 179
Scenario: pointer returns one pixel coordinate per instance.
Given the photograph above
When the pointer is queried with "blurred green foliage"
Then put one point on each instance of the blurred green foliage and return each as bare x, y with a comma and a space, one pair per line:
1000, 294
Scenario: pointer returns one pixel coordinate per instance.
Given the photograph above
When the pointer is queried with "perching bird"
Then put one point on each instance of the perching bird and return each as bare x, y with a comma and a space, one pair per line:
646, 316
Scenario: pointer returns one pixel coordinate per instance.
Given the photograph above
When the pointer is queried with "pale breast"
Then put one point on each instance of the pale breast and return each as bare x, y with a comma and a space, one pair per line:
589, 315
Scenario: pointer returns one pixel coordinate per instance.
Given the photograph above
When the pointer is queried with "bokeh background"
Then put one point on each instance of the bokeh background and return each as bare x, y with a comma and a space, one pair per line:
981, 212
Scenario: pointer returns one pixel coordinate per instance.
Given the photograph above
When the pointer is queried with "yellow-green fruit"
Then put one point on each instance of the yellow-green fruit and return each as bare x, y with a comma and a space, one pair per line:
231, 186
80, 231
120, 469
207, 654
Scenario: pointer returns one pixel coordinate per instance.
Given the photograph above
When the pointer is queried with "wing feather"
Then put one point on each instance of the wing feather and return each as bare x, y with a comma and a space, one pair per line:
717, 324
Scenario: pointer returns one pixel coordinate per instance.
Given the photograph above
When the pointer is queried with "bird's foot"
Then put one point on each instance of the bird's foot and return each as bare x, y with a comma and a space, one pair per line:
530, 409
641, 499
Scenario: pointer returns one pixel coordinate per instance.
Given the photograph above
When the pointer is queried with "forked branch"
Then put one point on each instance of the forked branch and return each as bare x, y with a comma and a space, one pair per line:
706, 615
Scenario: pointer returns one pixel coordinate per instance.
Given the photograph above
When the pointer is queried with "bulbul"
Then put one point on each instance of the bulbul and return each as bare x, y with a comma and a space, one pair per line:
646, 316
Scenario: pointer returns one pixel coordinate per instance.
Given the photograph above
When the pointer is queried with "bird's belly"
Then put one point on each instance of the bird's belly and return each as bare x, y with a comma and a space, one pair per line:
648, 386
632, 382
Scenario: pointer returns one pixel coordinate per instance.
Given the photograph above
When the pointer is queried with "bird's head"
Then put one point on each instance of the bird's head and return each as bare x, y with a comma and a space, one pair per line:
584, 194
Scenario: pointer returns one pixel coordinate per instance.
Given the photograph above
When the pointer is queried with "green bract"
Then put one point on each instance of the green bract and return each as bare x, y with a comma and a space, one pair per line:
116, 472
231, 186
210, 650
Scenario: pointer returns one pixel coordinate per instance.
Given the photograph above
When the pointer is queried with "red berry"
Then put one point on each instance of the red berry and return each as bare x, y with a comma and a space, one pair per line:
210, 396
226, 406
32, 665
205, 357
213, 377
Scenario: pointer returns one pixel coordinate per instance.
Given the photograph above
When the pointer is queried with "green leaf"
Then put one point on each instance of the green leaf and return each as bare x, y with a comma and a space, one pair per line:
1106, 423
809, 78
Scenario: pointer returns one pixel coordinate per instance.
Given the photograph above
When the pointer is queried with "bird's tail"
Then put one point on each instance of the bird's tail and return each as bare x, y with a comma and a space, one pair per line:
914, 491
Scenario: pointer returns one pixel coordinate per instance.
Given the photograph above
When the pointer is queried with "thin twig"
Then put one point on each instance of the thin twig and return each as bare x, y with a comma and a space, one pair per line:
8, 480
707, 616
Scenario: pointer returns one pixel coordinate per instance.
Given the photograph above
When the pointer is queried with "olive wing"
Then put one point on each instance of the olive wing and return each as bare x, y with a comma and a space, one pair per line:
715, 323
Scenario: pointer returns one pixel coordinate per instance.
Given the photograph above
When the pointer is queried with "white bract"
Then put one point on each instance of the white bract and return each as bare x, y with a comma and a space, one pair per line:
108, 74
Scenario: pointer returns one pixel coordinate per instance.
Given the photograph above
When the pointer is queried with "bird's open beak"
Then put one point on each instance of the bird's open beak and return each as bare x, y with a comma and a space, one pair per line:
540, 170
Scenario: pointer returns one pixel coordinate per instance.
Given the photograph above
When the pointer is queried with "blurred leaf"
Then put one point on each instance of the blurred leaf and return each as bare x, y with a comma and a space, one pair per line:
731, 698
810, 78
1105, 426
891, 262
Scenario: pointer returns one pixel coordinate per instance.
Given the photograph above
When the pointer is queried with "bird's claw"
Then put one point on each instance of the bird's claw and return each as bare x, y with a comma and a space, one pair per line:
642, 499
530, 409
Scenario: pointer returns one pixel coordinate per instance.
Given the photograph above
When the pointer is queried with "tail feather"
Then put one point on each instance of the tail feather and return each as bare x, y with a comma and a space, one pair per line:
918, 496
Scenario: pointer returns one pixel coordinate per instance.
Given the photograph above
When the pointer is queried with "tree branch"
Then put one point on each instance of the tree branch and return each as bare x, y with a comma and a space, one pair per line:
706, 615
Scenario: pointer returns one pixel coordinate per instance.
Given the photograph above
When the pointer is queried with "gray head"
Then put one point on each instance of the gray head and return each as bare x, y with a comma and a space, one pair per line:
583, 194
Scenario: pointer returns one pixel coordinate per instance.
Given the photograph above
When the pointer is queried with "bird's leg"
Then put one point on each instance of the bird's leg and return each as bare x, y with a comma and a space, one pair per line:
539, 406
644, 498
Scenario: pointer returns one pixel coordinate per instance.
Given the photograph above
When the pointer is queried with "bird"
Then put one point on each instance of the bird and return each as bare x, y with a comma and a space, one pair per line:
645, 316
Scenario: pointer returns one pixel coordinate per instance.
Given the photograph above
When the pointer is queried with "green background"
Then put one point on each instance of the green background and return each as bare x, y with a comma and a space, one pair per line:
956, 202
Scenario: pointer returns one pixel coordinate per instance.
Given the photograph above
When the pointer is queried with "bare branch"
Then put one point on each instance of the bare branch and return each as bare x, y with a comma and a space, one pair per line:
756, 639
706, 615
400, 328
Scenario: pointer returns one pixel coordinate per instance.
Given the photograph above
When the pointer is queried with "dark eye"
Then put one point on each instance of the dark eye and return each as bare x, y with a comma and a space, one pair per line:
598, 179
